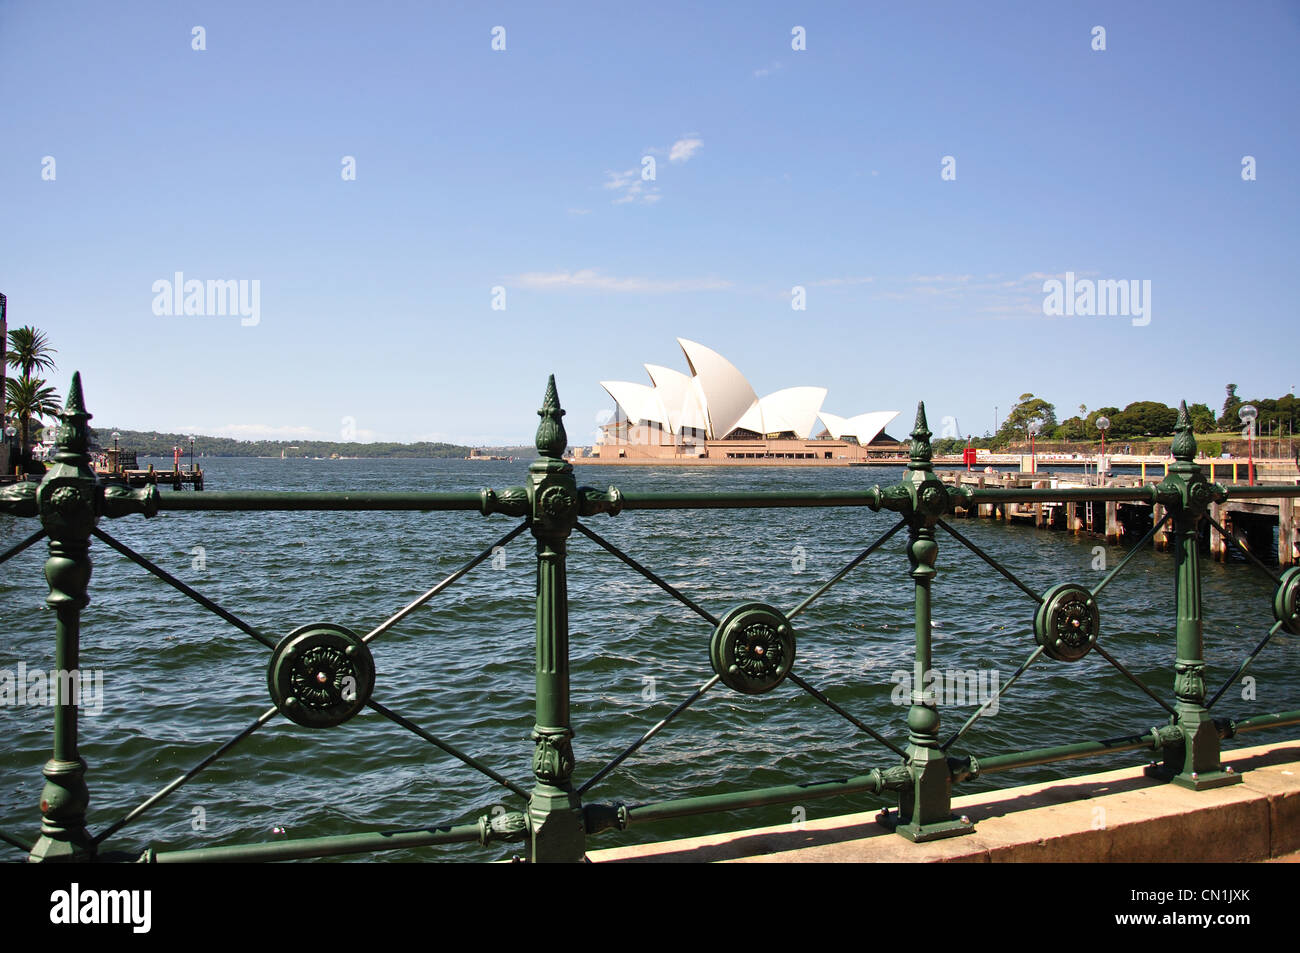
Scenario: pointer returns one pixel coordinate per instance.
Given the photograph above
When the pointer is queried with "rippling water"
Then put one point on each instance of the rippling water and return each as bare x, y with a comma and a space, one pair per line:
178, 681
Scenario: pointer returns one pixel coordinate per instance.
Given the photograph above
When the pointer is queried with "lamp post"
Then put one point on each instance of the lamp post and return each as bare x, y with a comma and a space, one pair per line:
10, 432
117, 458
1103, 424
1034, 427
1248, 413
191, 453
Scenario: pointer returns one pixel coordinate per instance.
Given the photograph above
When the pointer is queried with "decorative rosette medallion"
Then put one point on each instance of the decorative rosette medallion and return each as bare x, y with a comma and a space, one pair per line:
1286, 601
321, 675
1067, 622
752, 648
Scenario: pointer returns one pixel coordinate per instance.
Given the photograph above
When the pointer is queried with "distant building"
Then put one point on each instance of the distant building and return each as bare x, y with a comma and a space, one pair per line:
714, 413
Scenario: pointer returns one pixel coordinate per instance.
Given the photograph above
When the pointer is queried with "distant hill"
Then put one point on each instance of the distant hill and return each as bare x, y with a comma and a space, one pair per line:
152, 443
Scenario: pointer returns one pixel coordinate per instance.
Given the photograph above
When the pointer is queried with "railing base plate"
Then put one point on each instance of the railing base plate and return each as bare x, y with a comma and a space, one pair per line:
1201, 781
919, 833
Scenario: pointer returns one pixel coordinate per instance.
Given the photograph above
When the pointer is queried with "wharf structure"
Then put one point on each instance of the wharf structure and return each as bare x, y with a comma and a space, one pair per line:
1246, 526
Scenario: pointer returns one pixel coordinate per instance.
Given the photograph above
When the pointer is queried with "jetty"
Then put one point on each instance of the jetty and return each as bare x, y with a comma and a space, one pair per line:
1249, 524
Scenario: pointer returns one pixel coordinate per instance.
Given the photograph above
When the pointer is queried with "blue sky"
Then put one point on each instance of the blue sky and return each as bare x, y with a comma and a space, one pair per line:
521, 169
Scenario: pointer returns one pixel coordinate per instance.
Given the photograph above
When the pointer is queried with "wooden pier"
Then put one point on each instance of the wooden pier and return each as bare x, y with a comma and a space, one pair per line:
1250, 522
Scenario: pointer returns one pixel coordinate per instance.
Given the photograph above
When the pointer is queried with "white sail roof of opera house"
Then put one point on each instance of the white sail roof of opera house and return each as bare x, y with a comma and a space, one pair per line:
717, 399
865, 427
638, 401
681, 397
727, 395
794, 409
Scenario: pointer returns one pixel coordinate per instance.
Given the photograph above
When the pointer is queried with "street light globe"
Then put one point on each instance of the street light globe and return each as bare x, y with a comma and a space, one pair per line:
1103, 423
1247, 413
1035, 427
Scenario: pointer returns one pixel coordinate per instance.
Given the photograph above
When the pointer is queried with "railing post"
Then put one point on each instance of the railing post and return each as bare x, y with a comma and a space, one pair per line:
925, 805
554, 809
1188, 495
66, 502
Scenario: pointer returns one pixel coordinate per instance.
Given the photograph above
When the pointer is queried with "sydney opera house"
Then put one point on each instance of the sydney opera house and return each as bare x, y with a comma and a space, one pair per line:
713, 415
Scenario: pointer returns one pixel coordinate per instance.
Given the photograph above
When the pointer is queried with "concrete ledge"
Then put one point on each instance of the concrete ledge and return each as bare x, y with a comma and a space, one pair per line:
1114, 817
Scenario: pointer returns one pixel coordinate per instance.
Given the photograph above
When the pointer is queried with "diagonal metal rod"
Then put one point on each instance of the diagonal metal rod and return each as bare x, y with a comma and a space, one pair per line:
1024, 667
15, 550
845, 571
840, 711
694, 697
450, 749
611, 548
1135, 680
1242, 667
991, 561
1155, 528
403, 613
1277, 580
262, 719
14, 842
171, 580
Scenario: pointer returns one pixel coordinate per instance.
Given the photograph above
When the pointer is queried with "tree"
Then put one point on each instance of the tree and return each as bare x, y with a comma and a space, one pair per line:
1029, 409
1231, 403
1145, 418
28, 397
29, 351
1202, 418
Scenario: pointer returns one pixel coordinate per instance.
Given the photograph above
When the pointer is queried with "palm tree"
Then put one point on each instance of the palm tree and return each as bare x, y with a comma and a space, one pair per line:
29, 351
26, 398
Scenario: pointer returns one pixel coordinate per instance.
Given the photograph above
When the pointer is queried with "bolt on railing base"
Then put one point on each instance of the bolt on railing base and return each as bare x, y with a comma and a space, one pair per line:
1196, 781
920, 833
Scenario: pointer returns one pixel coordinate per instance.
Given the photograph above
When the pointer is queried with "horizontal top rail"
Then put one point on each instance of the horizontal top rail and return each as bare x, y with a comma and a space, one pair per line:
274, 500
758, 499
259, 500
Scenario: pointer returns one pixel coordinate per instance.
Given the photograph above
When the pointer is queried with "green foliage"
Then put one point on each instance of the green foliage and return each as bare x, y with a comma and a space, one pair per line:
1027, 410
1231, 403
1210, 448
152, 443
27, 398
1144, 418
29, 351
1203, 420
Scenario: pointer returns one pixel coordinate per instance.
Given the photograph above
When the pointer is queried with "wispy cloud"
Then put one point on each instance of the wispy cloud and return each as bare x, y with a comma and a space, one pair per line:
851, 280
683, 149
266, 432
767, 70
634, 187
591, 279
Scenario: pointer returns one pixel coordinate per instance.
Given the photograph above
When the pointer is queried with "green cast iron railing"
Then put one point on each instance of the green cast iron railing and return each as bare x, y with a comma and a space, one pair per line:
321, 675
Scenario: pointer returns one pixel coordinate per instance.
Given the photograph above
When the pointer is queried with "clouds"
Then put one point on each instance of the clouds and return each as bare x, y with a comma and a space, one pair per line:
640, 185
683, 149
591, 279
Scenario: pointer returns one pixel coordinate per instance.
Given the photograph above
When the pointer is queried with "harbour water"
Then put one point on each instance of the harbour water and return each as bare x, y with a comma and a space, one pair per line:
178, 681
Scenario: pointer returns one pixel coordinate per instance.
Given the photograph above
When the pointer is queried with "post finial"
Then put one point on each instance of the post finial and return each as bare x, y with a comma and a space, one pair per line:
921, 451
74, 435
551, 438
1184, 446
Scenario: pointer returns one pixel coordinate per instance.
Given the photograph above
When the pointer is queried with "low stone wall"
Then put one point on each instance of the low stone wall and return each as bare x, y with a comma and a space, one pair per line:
1115, 817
